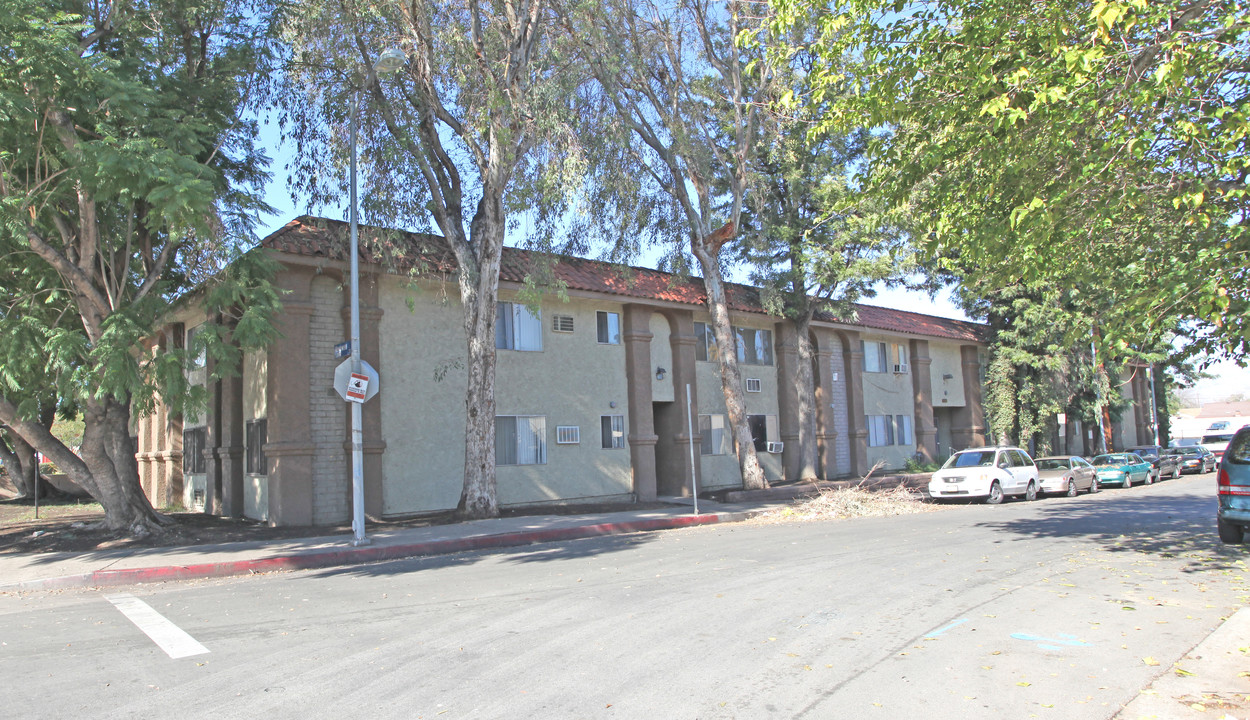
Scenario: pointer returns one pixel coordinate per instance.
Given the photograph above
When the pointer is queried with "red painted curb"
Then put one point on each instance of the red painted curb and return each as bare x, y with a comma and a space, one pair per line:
354, 555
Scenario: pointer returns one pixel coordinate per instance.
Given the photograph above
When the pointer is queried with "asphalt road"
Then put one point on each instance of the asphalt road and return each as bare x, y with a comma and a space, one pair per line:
1061, 608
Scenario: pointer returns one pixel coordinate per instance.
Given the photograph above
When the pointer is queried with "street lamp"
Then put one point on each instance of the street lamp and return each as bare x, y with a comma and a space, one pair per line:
392, 59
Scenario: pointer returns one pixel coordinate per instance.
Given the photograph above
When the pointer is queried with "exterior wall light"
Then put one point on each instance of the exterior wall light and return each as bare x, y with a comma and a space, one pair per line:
659, 373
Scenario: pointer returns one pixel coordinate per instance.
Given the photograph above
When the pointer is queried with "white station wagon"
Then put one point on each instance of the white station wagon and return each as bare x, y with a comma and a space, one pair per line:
990, 473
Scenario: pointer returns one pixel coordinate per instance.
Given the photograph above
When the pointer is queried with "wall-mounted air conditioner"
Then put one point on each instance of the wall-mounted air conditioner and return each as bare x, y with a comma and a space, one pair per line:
776, 447
900, 368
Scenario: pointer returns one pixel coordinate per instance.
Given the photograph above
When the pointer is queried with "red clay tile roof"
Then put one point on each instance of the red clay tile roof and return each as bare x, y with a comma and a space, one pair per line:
317, 237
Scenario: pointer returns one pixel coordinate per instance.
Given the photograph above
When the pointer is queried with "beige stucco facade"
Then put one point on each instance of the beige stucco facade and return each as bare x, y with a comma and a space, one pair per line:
556, 392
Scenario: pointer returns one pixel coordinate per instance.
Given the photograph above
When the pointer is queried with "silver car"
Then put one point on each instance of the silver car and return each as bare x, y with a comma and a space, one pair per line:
1066, 474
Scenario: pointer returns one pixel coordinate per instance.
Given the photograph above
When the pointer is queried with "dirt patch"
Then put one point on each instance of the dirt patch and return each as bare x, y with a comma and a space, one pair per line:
847, 503
73, 526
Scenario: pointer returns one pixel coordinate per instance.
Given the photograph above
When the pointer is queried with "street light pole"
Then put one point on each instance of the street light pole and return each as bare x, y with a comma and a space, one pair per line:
390, 61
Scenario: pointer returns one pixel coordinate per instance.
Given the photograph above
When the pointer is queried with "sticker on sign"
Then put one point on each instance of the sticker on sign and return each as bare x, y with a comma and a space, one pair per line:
356, 387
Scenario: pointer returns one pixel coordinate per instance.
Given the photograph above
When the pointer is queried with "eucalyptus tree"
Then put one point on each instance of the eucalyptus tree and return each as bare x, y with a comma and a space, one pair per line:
125, 171
476, 129
687, 98
1052, 140
812, 238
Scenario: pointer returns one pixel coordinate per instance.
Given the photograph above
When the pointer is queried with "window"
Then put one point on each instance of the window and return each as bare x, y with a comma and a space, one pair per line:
755, 347
880, 430
255, 433
568, 435
197, 358
705, 343
899, 352
874, 356
516, 328
520, 440
193, 443
613, 427
902, 430
715, 436
562, 323
753, 384
763, 430
609, 327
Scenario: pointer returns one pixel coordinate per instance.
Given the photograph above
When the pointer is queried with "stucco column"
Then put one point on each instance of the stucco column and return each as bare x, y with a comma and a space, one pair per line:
676, 471
230, 451
922, 395
787, 351
968, 427
636, 335
371, 412
856, 421
289, 447
826, 400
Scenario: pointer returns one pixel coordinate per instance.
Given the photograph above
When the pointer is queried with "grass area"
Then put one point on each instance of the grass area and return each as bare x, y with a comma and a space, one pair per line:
848, 503
13, 512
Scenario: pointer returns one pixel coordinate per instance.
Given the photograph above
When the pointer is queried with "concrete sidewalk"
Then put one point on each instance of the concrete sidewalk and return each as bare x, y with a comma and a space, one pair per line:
53, 571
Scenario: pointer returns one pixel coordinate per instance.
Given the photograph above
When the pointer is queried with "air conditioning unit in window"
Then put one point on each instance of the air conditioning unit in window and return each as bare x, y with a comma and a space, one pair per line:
753, 385
900, 368
775, 447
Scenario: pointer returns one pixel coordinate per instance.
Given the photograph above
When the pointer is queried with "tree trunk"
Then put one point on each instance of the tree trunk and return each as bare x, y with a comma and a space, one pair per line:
479, 296
110, 458
12, 465
730, 377
42, 439
805, 383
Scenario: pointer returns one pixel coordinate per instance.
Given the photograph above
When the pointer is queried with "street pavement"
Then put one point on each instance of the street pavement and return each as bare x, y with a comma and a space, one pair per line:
958, 572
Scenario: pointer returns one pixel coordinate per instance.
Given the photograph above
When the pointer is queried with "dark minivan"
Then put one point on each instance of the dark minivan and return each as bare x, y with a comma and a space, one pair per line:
1233, 517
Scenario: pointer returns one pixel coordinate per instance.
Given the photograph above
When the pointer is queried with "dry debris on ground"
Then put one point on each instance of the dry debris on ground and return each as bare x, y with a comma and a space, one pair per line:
847, 503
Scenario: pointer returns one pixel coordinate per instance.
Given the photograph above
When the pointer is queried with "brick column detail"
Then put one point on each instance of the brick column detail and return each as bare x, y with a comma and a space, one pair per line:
856, 421
922, 395
230, 452
675, 469
830, 399
289, 448
636, 335
968, 427
371, 413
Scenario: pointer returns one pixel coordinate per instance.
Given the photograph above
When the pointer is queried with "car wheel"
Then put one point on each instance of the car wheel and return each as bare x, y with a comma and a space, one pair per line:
1230, 533
1149, 479
996, 494
1128, 481
1176, 472
1093, 486
1071, 488
1030, 493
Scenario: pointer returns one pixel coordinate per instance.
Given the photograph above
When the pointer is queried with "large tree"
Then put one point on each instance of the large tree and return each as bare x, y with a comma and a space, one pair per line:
1055, 141
687, 97
125, 169
476, 129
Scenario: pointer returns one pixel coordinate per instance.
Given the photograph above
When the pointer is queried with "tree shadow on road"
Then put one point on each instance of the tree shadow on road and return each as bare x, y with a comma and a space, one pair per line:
1167, 524
536, 553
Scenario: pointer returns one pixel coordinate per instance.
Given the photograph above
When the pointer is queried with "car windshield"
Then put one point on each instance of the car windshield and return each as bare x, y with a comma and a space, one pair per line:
1116, 459
1186, 451
1146, 452
974, 458
1052, 464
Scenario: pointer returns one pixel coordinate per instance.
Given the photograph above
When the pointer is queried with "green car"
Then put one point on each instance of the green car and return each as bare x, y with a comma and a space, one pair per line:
1122, 469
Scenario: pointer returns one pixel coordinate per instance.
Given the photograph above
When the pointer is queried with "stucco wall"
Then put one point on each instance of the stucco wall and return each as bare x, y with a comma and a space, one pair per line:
255, 378
720, 471
889, 393
331, 481
573, 380
947, 391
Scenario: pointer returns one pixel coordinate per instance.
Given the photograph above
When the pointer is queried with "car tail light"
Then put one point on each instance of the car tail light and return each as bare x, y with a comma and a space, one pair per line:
1227, 488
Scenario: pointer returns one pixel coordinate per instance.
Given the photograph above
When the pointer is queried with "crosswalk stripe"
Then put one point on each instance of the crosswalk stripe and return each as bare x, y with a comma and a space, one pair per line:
168, 636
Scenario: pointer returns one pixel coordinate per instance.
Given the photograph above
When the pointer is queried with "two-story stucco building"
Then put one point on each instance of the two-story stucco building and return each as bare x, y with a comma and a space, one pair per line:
591, 390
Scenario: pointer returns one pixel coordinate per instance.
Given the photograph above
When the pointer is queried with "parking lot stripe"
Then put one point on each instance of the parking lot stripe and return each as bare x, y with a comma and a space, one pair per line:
169, 637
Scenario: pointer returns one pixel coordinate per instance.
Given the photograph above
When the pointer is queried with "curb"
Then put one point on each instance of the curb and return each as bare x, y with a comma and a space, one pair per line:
362, 555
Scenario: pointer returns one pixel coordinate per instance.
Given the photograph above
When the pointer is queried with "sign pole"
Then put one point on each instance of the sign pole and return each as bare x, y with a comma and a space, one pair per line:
694, 490
358, 463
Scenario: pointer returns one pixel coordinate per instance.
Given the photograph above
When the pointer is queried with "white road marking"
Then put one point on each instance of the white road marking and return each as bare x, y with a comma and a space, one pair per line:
168, 636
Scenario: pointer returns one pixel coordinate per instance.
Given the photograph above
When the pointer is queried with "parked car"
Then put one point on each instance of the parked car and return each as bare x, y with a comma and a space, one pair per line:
1162, 464
1122, 469
1233, 516
990, 473
1066, 474
1216, 442
1194, 458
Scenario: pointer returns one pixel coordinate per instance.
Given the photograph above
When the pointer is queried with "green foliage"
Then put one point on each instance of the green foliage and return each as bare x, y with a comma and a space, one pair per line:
1086, 146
